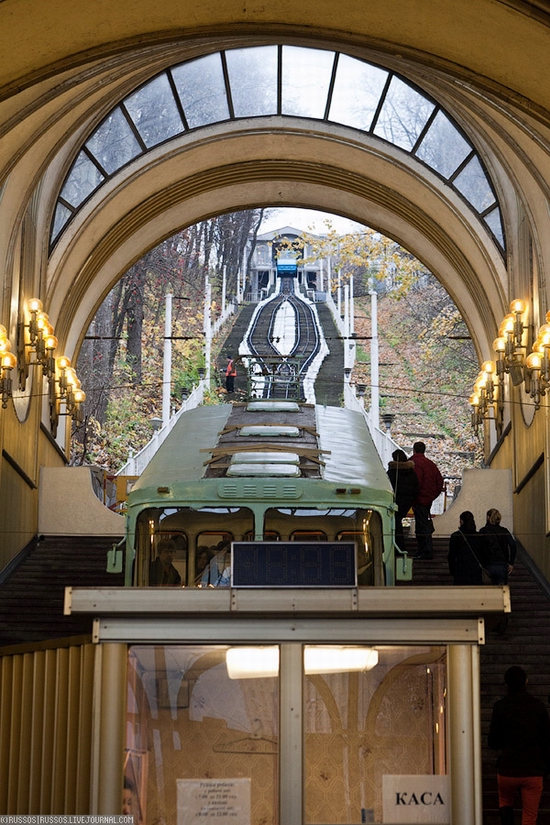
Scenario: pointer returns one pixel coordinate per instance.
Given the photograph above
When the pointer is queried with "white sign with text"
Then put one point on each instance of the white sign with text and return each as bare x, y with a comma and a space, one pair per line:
213, 800
416, 798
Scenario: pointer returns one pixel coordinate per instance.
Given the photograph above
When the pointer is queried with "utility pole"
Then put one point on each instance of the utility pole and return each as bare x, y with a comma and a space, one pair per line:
167, 360
374, 358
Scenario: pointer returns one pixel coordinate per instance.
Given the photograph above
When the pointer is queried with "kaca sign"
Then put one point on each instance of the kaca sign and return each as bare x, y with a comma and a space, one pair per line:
408, 799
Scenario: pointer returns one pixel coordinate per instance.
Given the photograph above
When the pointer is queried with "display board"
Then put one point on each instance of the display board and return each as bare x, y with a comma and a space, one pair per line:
293, 564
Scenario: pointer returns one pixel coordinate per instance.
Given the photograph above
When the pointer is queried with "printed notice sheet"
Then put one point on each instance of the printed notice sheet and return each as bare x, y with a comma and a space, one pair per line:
202, 801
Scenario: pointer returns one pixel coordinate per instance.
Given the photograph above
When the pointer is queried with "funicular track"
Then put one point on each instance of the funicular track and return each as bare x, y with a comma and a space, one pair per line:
265, 342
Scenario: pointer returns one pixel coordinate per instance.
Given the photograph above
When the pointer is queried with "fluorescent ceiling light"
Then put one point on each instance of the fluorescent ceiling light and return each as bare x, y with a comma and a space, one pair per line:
252, 662
263, 662
339, 659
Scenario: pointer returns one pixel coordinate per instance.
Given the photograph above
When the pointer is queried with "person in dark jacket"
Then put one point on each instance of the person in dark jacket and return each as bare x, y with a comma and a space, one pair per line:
162, 571
465, 552
405, 485
520, 730
431, 484
499, 548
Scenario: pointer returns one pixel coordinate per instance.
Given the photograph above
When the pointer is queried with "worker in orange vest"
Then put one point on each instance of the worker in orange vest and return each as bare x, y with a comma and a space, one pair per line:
230, 373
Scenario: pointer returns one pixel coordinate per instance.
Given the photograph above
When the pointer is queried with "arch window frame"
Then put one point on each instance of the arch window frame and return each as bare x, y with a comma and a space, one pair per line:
122, 136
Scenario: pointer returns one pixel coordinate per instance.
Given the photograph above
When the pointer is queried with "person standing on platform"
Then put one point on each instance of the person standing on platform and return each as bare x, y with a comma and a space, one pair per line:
230, 373
500, 548
520, 730
465, 557
431, 484
405, 485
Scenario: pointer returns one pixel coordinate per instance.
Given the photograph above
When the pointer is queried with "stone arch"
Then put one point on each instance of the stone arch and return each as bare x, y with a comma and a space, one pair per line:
272, 163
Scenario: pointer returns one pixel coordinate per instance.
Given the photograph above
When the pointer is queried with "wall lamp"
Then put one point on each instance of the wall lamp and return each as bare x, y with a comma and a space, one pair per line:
537, 364
36, 347
487, 399
509, 345
65, 391
7, 362
40, 342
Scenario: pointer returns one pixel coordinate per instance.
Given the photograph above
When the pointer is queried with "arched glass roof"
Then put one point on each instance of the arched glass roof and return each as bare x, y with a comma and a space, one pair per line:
292, 81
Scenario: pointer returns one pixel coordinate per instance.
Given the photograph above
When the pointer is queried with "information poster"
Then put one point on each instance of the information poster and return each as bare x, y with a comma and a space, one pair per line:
416, 798
201, 801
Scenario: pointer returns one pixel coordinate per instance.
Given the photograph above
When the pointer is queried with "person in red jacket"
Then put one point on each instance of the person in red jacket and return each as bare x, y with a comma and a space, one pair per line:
431, 484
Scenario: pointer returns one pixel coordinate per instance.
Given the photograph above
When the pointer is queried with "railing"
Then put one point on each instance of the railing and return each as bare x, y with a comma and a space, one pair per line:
384, 443
338, 320
138, 462
230, 309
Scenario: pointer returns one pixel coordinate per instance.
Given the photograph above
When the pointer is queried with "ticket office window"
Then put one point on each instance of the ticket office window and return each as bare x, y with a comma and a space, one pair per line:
364, 725
209, 728
204, 730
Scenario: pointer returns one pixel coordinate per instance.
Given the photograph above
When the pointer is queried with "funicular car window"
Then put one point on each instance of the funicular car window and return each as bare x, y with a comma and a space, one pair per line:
203, 537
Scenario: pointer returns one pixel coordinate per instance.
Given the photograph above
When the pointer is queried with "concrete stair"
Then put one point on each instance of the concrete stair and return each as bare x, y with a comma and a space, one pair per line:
32, 595
525, 642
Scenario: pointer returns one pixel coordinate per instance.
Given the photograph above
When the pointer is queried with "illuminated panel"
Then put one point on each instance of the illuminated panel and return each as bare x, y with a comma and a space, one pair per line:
293, 564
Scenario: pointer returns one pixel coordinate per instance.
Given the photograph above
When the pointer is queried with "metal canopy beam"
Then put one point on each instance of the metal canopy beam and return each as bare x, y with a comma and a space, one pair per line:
245, 630
405, 602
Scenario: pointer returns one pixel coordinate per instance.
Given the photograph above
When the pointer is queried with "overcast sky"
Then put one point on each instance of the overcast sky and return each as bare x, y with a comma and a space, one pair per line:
308, 220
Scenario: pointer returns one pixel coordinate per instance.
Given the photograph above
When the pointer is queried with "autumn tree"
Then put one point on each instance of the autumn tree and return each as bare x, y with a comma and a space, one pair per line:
120, 362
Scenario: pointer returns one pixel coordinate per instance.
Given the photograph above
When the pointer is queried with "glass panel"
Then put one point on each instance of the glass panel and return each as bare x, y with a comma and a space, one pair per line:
83, 178
62, 215
201, 88
473, 184
403, 115
494, 222
385, 716
169, 559
253, 80
200, 744
356, 92
114, 143
443, 147
306, 80
364, 527
202, 539
154, 111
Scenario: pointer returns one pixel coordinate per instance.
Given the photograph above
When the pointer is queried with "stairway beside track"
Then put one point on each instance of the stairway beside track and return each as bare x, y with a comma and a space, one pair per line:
525, 642
32, 598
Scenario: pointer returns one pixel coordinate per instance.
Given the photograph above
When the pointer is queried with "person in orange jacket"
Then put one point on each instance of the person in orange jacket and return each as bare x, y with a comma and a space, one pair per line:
230, 373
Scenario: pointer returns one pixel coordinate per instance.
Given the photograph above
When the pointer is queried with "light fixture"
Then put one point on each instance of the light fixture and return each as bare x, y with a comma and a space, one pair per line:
156, 423
537, 365
263, 662
338, 659
65, 391
252, 662
39, 342
361, 389
388, 419
509, 345
7, 362
487, 399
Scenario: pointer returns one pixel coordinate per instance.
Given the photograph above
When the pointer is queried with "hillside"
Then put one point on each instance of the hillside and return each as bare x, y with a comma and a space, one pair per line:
427, 370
